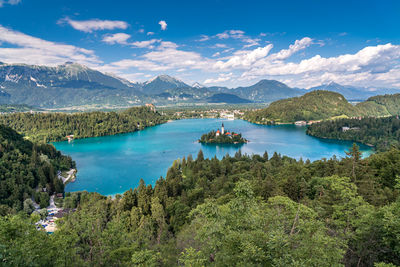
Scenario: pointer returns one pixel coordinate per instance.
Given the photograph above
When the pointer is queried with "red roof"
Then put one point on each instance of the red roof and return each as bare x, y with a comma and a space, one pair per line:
235, 134
228, 133
218, 131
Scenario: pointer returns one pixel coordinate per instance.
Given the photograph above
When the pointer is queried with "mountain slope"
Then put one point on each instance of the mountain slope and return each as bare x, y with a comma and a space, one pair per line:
316, 105
161, 83
381, 105
227, 98
266, 91
69, 84
352, 92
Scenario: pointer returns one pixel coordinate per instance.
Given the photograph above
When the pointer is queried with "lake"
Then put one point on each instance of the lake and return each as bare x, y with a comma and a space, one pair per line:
114, 164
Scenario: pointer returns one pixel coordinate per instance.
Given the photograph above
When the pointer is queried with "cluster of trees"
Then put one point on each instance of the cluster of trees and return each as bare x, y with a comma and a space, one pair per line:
237, 211
382, 133
28, 171
49, 127
381, 105
316, 105
233, 138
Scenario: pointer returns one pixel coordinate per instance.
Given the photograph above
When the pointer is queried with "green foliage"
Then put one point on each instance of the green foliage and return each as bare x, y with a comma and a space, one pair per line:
382, 133
237, 211
51, 127
212, 138
26, 169
316, 105
322, 105
381, 105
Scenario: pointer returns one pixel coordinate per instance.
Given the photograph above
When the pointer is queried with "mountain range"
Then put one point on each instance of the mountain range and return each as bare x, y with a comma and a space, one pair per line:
72, 84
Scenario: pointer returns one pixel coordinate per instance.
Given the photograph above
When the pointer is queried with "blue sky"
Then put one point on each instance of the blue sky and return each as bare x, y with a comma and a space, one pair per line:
230, 43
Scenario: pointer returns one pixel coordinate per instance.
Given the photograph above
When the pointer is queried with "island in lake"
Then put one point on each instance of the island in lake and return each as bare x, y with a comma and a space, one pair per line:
222, 137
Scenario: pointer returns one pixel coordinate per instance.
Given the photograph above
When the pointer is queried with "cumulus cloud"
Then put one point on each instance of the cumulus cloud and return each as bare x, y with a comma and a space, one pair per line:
33, 50
163, 25
223, 77
116, 38
219, 46
236, 34
146, 44
94, 24
9, 2
122, 38
150, 33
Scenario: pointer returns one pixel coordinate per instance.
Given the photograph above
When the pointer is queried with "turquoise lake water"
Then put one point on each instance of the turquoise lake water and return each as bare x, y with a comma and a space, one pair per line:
114, 164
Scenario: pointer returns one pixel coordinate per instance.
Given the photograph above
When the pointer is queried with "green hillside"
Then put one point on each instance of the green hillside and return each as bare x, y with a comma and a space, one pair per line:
381, 105
26, 170
316, 105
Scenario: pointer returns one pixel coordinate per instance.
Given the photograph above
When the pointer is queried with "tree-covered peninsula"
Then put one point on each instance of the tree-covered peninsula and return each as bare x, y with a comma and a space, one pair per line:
222, 137
382, 133
49, 127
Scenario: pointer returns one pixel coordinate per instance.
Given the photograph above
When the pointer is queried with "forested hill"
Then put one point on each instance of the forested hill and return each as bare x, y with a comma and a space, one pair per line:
237, 211
25, 169
382, 133
48, 127
316, 105
381, 105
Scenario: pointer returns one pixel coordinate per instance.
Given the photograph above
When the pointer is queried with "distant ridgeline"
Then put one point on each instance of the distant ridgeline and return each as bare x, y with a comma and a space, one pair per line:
49, 127
28, 171
323, 105
222, 137
382, 133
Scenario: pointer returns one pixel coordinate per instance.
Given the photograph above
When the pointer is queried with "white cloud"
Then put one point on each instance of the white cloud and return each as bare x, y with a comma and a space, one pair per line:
219, 46
223, 77
146, 44
235, 34
243, 58
33, 50
163, 25
204, 38
150, 33
116, 38
9, 2
95, 24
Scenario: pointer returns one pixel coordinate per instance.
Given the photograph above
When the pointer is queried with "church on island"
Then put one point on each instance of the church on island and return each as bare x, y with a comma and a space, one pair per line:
222, 132
222, 137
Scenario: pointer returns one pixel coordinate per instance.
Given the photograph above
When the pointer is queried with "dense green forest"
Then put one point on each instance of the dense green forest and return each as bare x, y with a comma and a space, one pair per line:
382, 133
26, 169
237, 211
316, 105
323, 105
49, 127
381, 105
